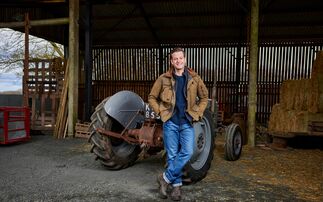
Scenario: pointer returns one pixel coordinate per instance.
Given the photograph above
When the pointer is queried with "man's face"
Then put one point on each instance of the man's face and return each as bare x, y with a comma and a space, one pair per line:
178, 60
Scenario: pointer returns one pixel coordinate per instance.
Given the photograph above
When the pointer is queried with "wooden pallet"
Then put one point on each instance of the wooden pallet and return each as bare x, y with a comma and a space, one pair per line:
82, 130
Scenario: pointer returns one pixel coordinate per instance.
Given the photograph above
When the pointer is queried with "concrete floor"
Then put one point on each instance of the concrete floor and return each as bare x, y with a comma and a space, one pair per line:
46, 169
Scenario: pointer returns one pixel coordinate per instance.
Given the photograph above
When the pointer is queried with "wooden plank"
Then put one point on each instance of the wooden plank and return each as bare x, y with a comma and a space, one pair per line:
42, 109
33, 110
62, 111
53, 108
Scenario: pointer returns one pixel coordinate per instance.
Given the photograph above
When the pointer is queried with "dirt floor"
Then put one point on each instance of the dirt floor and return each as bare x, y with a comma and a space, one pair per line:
294, 172
46, 169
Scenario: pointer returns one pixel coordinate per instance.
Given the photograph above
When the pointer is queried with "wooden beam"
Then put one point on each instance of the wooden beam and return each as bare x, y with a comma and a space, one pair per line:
73, 51
44, 22
252, 91
26, 61
88, 61
151, 28
161, 16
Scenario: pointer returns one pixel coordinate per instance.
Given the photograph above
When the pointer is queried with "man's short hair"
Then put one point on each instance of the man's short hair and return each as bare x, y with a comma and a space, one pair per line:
178, 49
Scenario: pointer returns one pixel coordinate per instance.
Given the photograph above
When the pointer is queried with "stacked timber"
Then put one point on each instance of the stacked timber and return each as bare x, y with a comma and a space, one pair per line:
301, 103
60, 128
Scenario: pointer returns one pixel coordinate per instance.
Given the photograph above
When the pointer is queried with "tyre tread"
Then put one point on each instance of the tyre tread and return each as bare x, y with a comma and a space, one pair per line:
102, 147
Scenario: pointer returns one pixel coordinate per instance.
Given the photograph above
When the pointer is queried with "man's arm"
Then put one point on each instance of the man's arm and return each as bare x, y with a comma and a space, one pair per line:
153, 97
203, 94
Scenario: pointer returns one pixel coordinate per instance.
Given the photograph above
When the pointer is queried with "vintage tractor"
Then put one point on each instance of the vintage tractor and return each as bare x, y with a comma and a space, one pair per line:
123, 126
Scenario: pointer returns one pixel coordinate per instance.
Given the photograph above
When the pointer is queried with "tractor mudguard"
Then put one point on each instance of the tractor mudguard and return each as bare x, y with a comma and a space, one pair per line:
126, 107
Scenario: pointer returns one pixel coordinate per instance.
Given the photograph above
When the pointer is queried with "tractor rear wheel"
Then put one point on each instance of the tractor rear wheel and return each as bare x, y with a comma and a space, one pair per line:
113, 153
198, 166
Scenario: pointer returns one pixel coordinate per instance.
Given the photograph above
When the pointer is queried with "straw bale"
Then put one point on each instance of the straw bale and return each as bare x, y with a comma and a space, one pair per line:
301, 101
282, 94
320, 93
303, 93
287, 123
279, 120
317, 70
299, 122
315, 100
291, 121
272, 123
313, 97
288, 94
315, 117
319, 81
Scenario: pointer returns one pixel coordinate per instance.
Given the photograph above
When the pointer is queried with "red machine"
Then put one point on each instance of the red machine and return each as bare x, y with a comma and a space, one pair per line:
14, 124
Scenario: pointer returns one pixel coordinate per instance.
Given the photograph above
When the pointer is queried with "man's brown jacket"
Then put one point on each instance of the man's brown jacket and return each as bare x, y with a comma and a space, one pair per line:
162, 96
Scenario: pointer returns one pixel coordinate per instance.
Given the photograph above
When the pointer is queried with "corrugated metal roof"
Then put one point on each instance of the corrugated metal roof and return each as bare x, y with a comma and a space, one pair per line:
158, 22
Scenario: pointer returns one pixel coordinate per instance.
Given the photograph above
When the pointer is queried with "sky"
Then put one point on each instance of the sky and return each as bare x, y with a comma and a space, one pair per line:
10, 82
9, 79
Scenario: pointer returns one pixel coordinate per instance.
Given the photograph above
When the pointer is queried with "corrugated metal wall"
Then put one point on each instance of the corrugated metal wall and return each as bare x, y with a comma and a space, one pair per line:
136, 69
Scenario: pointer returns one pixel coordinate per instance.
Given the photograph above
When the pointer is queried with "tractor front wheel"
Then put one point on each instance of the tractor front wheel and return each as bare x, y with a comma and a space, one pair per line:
233, 142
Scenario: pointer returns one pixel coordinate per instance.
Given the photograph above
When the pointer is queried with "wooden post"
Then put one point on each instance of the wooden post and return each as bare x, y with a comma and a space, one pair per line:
252, 92
88, 60
73, 49
26, 62
161, 60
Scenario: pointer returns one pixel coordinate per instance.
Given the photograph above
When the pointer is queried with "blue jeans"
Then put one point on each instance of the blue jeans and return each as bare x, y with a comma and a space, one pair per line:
179, 146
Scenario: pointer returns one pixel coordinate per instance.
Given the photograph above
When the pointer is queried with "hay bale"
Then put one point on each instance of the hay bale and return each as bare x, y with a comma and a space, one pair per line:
282, 94
315, 117
291, 121
288, 94
313, 100
302, 94
279, 120
301, 119
319, 94
316, 99
317, 70
298, 123
301, 102
287, 122
274, 116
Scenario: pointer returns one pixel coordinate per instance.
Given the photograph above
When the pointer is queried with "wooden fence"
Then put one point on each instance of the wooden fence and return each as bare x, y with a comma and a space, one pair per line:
43, 81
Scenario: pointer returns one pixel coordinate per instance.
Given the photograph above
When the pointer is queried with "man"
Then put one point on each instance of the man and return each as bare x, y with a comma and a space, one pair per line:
180, 97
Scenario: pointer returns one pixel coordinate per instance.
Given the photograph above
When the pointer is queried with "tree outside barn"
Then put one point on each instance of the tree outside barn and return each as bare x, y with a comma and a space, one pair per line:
12, 56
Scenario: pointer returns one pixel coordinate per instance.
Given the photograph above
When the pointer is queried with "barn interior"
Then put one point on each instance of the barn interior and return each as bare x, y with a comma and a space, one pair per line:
124, 45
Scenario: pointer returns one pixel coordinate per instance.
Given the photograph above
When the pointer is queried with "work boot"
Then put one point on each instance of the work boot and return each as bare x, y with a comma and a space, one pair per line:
162, 186
176, 194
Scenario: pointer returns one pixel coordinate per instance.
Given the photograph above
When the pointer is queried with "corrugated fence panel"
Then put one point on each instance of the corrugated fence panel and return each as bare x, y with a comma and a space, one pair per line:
123, 69
136, 69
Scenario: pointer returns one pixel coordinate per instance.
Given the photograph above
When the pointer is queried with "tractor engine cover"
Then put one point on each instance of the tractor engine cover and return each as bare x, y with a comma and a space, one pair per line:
127, 108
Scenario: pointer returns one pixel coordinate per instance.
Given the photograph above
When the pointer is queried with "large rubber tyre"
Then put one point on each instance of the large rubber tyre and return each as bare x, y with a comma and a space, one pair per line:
113, 153
198, 166
233, 142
